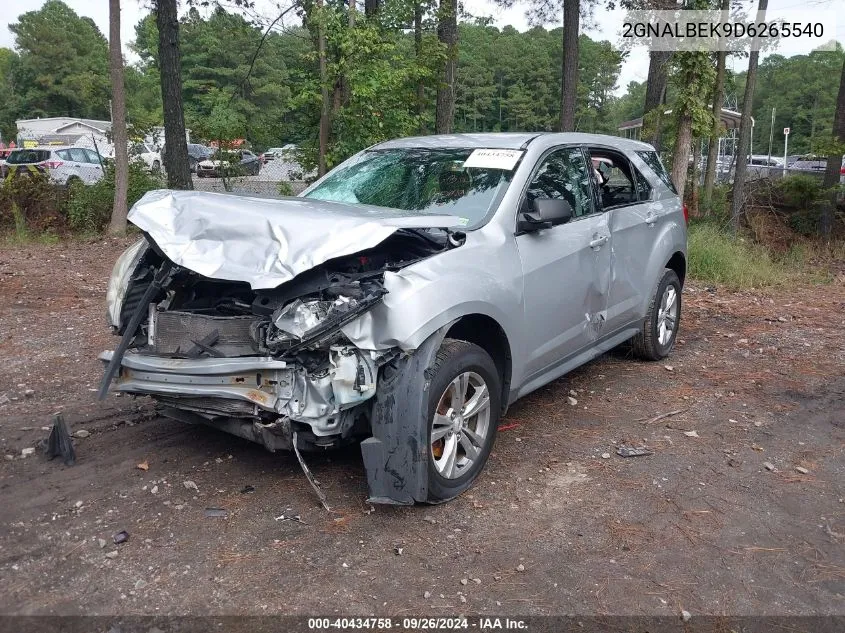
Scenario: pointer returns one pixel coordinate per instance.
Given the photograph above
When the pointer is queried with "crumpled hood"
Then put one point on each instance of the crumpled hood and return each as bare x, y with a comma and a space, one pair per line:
261, 241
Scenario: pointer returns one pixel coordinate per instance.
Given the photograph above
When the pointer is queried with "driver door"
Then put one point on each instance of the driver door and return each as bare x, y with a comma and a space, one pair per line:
566, 269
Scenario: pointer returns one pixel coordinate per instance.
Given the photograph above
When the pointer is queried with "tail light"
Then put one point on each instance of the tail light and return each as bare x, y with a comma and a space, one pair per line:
52, 164
842, 170
686, 214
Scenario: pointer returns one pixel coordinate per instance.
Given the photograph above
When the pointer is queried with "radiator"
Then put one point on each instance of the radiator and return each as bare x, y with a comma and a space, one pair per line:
173, 332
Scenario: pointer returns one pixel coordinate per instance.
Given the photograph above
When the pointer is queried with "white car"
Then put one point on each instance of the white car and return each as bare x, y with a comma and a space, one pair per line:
62, 165
147, 154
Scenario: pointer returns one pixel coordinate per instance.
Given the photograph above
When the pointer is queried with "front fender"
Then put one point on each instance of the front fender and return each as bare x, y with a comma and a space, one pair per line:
421, 300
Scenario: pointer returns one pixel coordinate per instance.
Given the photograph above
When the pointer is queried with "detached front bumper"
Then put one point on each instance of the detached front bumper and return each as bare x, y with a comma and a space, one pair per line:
212, 384
251, 390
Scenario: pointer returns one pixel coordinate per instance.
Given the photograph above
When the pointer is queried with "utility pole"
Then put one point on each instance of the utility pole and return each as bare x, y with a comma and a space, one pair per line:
771, 135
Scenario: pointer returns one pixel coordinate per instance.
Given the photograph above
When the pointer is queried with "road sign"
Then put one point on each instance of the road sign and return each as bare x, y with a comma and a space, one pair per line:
786, 131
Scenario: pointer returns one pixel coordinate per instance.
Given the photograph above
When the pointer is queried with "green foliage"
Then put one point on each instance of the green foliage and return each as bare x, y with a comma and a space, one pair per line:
803, 90
800, 191
284, 188
89, 207
510, 81
62, 66
30, 206
693, 75
718, 206
716, 256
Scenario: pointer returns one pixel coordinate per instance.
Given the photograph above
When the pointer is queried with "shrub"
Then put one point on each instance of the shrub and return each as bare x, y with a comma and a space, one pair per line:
716, 256
285, 189
718, 206
800, 191
89, 207
31, 205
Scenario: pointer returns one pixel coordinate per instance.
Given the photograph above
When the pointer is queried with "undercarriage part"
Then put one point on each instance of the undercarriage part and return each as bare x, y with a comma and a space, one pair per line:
396, 456
274, 436
311, 480
160, 280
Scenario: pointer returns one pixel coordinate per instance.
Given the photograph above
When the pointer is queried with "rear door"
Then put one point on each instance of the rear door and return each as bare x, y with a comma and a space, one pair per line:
566, 269
635, 219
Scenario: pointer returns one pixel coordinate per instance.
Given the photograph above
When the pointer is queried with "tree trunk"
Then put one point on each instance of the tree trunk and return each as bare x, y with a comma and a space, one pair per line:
569, 65
655, 93
741, 154
324, 99
170, 69
447, 33
117, 226
418, 16
680, 155
713, 143
834, 161
371, 8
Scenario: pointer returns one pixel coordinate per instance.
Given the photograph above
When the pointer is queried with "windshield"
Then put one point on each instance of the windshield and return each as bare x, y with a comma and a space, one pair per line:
424, 180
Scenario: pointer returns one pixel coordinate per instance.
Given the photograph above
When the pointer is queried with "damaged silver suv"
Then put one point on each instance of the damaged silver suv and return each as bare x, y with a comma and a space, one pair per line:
405, 299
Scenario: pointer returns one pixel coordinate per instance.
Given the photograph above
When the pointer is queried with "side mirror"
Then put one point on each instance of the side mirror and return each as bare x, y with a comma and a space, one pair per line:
545, 213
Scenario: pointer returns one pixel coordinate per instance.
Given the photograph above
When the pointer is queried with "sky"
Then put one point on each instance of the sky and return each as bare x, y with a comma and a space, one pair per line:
605, 25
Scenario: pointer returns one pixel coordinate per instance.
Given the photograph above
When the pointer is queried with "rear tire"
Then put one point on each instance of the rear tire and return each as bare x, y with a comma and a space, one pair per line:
468, 434
660, 328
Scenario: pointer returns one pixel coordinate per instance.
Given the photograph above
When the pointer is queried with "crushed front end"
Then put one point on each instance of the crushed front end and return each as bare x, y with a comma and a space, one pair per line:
262, 364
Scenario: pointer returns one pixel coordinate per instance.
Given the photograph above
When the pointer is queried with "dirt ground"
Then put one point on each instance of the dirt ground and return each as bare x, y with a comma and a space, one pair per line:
719, 521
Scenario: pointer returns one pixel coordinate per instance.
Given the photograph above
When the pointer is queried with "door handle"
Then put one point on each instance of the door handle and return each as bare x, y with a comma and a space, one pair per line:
650, 218
598, 241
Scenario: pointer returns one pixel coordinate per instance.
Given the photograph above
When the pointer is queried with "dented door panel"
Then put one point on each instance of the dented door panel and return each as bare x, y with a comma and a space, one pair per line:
566, 283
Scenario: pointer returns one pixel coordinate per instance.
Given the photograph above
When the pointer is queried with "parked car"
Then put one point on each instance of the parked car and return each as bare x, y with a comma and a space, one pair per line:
763, 160
408, 297
810, 163
147, 154
276, 153
62, 165
196, 154
240, 162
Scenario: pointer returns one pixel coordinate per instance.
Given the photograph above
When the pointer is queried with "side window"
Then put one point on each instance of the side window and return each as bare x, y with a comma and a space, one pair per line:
653, 161
617, 183
643, 186
93, 157
77, 155
563, 174
63, 154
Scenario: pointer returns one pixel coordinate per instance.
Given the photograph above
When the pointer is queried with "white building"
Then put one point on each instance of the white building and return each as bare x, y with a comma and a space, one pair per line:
77, 131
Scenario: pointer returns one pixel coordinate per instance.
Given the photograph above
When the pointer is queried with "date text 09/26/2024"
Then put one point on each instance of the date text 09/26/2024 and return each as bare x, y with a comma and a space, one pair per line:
417, 624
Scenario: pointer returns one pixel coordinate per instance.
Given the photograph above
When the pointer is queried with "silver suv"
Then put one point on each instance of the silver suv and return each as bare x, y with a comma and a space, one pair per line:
62, 165
406, 298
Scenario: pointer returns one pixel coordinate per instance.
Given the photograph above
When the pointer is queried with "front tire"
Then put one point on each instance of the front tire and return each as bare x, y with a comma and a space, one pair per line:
660, 329
464, 407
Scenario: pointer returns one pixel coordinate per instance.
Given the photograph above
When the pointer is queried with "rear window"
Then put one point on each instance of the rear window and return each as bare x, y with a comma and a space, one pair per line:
25, 156
653, 160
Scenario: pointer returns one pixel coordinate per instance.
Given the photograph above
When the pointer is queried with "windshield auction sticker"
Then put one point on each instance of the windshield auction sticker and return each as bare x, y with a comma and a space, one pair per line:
494, 158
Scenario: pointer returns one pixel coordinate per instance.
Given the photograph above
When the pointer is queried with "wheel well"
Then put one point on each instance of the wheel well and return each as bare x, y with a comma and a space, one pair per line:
483, 331
678, 263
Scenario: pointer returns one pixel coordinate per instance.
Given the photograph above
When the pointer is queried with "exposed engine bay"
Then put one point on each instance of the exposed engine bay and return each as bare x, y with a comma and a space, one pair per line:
263, 364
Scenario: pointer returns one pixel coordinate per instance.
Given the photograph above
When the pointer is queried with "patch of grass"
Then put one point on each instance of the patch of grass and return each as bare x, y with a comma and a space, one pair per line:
716, 256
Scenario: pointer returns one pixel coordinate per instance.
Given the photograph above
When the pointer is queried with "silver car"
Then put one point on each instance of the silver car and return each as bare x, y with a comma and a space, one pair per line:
62, 165
405, 299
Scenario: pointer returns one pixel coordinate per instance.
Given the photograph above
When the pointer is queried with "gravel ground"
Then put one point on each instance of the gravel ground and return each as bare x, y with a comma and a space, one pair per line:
739, 510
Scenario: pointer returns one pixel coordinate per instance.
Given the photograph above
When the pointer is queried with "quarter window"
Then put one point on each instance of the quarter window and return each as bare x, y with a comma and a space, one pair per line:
653, 160
563, 175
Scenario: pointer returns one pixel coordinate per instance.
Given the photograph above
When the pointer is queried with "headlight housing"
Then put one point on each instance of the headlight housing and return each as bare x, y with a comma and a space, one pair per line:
122, 272
299, 320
